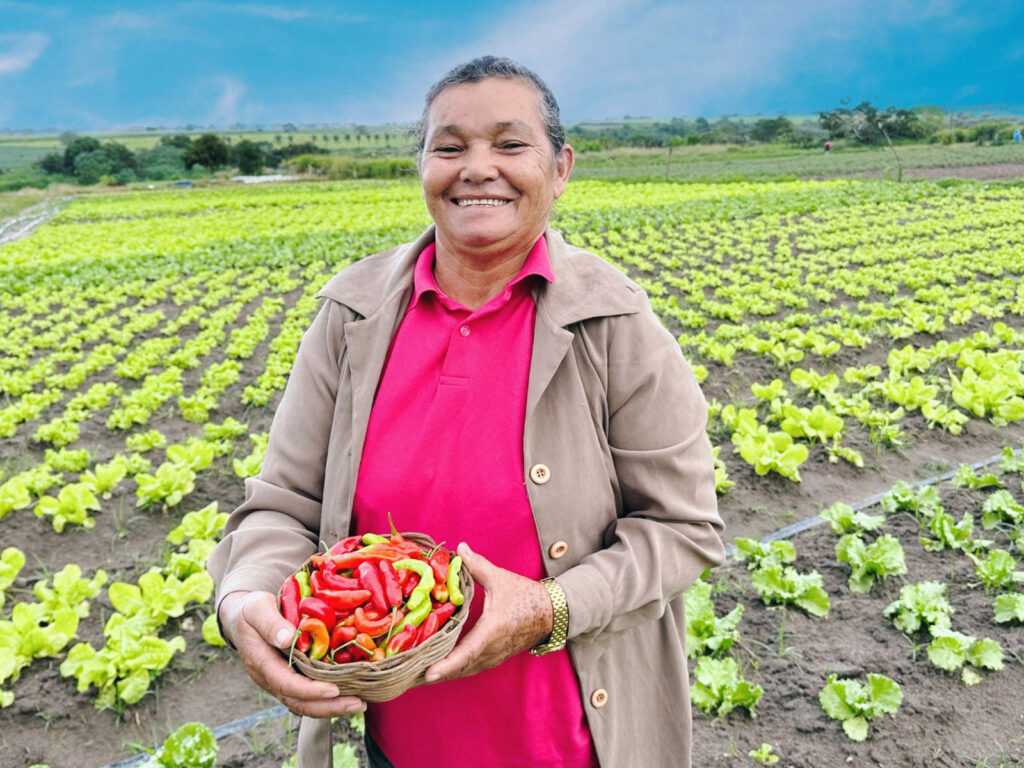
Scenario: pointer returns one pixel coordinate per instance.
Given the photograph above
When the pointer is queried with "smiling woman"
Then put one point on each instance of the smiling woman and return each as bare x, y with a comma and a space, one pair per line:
492, 385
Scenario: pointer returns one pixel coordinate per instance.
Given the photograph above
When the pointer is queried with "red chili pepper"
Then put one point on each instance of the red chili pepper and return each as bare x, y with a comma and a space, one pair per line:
376, 627
351, 544
371, 579
363, 647
319, 635
302, 642
427, 629
342, 599
378, 654
342, 634
444, 612
439, 562
344, 657
410, 582
373, 552
290, 601
317, 608
401, 641
328, 579
392, 590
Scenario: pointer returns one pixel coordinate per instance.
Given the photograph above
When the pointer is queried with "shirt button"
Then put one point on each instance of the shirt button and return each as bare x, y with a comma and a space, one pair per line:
464, 330
540, 473
599, 698
558, 549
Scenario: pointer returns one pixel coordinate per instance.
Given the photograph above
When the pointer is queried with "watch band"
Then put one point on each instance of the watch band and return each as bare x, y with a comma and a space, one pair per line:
560, 624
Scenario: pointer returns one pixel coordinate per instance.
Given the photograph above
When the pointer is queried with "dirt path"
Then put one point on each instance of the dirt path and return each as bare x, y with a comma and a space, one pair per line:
26, 220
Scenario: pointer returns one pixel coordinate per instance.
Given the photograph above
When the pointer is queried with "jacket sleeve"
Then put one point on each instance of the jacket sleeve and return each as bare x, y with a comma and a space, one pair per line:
667, 530
277, 527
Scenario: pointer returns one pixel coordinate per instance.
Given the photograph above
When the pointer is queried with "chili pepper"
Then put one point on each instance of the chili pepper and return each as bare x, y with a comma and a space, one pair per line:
455, 596
317, 608
344, 599
401, 641
374, 538
370, 578
321, 580
342, 634
290, 601
392, 591
319, 636
378, 654
421, 593
408, 580
439, 562
363, 646
343, 657
302, 642
416, 616
376, 627
434, 622
373, 552
303, 578
346, 545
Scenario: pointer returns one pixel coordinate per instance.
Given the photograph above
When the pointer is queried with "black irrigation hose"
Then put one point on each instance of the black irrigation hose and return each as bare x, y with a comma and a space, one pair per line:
250, 721
221, 732
815, 520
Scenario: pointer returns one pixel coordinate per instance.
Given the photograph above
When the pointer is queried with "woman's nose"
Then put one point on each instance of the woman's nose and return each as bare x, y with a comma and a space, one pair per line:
478, 164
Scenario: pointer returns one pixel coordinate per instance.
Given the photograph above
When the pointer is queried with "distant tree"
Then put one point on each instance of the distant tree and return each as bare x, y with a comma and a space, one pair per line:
208, 151
335, 137
772, 129
52, 162
834, 123
67, 137
250, 157
289, 128
348, 138
90, 166
120, 157
160, 162
179, 140
77, 147
277, 138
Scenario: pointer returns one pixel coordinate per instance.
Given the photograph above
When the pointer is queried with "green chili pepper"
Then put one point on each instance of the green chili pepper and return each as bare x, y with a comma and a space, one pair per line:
454, 590
303, 578
421, 594
374, 538
416, 616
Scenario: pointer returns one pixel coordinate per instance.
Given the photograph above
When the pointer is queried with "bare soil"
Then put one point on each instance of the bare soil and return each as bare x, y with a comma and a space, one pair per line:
999, 171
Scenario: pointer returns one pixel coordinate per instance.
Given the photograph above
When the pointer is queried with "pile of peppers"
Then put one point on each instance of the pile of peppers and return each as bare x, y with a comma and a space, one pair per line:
369, 597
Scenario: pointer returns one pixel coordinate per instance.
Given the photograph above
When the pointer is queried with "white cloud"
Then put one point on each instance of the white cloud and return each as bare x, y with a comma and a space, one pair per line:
228, 107
23, 53
281, 13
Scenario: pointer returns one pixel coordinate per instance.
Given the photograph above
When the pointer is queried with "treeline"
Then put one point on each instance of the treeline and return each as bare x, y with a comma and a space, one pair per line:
863, 124
88, 161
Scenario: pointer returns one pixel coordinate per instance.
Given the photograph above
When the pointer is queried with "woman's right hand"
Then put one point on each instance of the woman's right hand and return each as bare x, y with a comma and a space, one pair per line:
252, 622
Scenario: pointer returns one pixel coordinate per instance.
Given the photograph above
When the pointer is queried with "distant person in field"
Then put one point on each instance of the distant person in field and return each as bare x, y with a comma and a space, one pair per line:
828, 146
1016, 135
491, 384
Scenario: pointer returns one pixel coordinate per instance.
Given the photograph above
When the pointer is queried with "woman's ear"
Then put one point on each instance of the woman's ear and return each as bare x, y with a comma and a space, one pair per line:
564, 161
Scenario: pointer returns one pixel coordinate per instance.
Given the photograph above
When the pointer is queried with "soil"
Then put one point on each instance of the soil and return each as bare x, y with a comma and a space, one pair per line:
942, 722
999, 171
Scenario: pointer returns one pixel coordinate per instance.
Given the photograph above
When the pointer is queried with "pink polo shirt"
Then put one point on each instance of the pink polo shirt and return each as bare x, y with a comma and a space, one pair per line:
444, 455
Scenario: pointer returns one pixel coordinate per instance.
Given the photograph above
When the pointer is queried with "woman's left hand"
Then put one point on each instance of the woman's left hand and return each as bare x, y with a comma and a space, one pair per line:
516, 615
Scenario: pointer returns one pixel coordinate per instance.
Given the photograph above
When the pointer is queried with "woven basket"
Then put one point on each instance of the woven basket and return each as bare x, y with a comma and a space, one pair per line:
388, 679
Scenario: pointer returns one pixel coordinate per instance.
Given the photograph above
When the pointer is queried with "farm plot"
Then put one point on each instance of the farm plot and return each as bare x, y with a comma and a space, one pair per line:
849, 334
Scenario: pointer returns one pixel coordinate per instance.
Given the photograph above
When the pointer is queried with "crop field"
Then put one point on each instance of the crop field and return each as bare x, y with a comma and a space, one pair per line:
853, 338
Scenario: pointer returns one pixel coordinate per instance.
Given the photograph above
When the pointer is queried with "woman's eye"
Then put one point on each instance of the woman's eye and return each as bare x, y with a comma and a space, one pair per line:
447, 149
513, 145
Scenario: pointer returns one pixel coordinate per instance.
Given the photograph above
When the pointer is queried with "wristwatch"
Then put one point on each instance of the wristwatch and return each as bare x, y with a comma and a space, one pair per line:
560, 624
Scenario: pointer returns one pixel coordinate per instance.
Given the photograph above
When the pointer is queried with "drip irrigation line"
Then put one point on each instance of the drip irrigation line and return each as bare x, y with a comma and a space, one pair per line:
279, 710
815, 520
221, 732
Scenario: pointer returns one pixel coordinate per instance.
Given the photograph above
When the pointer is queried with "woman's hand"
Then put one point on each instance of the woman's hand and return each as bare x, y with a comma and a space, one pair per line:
517, 615
252, 622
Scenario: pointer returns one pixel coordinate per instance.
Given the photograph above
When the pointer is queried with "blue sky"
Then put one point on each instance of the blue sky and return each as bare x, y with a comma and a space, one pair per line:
103, 65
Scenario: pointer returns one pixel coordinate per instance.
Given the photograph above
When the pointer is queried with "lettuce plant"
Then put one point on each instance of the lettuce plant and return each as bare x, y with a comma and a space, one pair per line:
924, 605
719, 687
855, 705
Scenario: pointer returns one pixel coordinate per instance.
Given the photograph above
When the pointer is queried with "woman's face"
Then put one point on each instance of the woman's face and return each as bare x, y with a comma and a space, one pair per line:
488, 171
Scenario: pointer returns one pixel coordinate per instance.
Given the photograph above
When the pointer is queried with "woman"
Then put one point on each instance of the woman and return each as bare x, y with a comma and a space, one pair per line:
492, 385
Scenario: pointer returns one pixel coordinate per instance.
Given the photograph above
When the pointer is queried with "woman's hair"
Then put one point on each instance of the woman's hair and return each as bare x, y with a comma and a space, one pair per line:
495, 66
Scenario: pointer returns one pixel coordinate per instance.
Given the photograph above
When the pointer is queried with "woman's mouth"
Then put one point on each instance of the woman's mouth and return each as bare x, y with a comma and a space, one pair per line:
465, 201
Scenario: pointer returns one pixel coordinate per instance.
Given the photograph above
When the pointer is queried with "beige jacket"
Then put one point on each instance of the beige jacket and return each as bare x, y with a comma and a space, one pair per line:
626, 515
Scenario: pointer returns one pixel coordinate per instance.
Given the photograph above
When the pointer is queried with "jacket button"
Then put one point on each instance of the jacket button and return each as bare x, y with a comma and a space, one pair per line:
599, 698
558, 549
540, 473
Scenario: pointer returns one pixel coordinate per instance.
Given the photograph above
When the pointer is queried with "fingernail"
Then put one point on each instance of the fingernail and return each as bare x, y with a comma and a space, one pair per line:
432, 676
333, 693
352, 709
284, 638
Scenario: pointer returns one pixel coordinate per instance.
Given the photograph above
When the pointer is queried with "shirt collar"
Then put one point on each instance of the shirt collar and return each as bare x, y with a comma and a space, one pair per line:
537, 263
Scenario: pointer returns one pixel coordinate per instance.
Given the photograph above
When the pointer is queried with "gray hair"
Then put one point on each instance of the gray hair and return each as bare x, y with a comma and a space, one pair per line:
495, 66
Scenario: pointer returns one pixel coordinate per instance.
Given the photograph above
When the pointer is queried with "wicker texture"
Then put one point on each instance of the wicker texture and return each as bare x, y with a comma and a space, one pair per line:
388, 679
